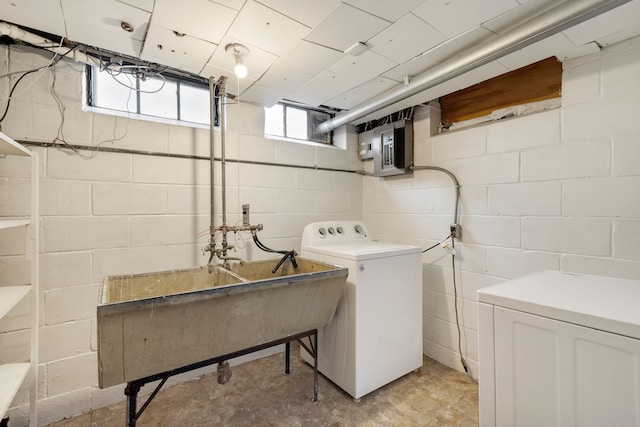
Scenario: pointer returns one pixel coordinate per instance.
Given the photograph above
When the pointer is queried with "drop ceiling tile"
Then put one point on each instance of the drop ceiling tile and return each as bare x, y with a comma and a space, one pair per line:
284, 78
376, 115
182, 52
575, 52
363, 67
309, 57
45, 16
602, 26
536, 52
263, 95
233, 4
344, 27
321, 88
140, 4
307, 12
410, 68
257, 61
197, 18
430, 94
478, 75
452, 17
619, 36
455, 45
517, 15
364, 92
265, 28
97, 23
405, 39
389, 10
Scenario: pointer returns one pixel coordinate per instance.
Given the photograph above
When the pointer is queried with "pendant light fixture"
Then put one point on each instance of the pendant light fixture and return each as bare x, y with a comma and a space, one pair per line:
239, 52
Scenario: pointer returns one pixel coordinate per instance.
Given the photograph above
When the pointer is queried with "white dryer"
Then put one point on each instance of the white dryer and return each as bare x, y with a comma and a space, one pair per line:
375, 335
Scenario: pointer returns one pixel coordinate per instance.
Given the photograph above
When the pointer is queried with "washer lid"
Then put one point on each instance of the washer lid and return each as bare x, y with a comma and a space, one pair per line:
603, 303
363, 250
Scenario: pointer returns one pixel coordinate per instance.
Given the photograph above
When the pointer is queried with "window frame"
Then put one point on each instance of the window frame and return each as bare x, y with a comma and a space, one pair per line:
89, 94
314, 116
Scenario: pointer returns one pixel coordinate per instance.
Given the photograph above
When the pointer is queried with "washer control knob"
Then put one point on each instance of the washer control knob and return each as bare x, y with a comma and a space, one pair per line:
359, 229
340, 230
322, 231
361, 267
332, 230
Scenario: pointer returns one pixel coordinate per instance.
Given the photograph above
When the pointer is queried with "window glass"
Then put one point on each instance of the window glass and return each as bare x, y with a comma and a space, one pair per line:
194, 104
115, 92
274, 120
296, 123
286, 121
159, 98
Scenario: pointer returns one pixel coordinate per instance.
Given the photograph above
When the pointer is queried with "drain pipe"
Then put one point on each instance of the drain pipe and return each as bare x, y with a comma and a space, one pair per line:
546, 24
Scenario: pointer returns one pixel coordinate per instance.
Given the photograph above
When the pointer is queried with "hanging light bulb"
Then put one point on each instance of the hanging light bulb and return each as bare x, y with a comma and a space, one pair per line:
239, 52
240, 69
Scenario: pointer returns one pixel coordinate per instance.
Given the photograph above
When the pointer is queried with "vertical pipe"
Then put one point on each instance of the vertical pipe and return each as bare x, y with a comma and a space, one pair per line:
223, 160
212, 117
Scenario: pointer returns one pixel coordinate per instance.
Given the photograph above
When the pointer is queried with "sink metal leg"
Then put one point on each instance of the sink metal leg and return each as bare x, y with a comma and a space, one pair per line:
287, 357
315, 366
131, 390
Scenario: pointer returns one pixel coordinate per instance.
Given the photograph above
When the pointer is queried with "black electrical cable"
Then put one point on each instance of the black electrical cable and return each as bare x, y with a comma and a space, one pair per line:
437, 244
455, 304
26, 73
287, 254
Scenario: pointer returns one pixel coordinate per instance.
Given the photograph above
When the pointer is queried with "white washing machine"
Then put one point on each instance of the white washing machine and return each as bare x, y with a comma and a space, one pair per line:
375, 335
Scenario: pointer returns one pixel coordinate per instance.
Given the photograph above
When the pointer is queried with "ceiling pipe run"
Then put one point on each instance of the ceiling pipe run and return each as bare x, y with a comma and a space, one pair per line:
548, 23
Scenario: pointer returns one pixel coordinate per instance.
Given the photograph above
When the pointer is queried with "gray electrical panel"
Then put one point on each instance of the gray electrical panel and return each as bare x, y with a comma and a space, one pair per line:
392, 147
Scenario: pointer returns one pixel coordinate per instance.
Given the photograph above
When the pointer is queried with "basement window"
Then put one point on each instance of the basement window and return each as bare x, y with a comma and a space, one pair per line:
135, 91
284, 121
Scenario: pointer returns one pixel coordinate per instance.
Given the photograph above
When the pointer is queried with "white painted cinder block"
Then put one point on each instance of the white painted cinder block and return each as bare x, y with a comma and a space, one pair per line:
170, 170
190, 141
626, 238
103, 167
13, 202
57, 307
610, 116
600, 266
292, 153
132, 134
108, 262
542, 129
136, 199
15, 166
626, 152
71, 374
534, 199
491, 230
461, 144
64, 405
581, 84
584, 236
495, 169
166, 230
602, 197
65, 340
620, 73
59, 197
60, 270
575, 160
513, 263
13, 241
188, 199
267, 176
85, 232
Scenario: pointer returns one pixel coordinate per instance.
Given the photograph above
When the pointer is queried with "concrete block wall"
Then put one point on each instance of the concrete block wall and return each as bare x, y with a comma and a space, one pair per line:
120, 213
557, 190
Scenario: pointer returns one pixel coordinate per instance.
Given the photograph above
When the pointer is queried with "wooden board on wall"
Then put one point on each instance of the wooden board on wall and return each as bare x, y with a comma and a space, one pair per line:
535, 82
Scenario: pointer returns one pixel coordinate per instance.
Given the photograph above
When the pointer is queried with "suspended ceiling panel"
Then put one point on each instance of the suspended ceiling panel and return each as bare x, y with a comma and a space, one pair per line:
140, 4
344, 27
452, 17
309, 57
49, 19
98, 23
307, 12
398, 41
267, 29
389, 10
193, 17
605, 25
297, 47
180, 51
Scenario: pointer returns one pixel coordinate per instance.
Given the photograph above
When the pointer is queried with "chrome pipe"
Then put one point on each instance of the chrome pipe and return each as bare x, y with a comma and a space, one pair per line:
548, 23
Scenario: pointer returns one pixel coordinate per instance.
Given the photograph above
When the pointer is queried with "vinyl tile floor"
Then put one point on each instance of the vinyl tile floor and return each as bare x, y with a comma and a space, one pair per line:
260, 394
